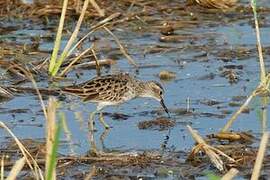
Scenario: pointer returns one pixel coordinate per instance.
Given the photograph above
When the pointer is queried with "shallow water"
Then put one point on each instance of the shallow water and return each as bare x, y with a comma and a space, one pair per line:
192, 62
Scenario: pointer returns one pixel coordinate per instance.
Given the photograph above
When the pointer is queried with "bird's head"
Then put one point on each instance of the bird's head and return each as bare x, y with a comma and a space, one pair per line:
154, 90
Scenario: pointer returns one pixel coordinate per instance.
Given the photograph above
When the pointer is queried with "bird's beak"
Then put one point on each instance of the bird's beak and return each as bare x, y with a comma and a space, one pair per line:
164, 107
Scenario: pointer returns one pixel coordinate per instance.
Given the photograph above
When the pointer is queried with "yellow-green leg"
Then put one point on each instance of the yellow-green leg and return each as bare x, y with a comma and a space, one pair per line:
102, 138
91, 133
91, 120
101, 119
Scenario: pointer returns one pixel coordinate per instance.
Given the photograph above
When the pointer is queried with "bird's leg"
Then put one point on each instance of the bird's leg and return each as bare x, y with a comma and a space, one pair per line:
91, 120
102, 138
93, 148
101, 119
91, 133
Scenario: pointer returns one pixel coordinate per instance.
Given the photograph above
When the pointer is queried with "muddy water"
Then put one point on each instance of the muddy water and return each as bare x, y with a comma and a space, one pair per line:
215, 46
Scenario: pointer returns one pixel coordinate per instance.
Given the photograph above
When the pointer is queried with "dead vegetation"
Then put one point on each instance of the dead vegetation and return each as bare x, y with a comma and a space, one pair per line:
226, 150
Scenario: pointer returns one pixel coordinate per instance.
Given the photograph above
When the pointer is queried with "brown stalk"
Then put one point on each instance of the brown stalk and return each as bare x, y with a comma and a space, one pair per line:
93, 29
122, 48
68, 68
98, 9
97, 61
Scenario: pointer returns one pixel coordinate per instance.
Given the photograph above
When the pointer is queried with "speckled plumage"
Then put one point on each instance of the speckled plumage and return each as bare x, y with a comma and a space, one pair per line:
115, 89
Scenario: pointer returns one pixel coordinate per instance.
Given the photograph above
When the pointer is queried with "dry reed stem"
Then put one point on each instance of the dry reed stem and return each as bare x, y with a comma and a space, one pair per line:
264, 83
211, 152
91, 173
68, 68
261, 89
16, 169
259, 46
50, 132
91, 64
106, 20
264, 103
230, 174
30, 76
260, 156
2, 167
122, 48
98, 9
77, 28
96, 61
36, 169
239, 111
93, 29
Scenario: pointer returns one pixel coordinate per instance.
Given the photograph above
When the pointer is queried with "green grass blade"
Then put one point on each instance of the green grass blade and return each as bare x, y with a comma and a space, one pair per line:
53, 159
58, 37
71, 41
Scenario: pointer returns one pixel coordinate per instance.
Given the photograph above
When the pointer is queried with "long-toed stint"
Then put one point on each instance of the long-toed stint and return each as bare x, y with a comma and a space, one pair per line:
115, 89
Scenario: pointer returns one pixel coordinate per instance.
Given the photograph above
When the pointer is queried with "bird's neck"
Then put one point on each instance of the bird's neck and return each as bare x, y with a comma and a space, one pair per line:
142, 89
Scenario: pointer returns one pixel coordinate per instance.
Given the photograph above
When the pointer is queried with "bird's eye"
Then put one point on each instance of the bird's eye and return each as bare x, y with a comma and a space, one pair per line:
160, 93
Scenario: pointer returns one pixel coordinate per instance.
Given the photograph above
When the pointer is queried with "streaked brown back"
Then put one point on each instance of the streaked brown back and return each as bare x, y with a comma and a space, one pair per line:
103, 88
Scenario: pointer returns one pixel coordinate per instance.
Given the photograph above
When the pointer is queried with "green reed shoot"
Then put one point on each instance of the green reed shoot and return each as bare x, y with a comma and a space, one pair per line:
55, 62
57, 42
53, 159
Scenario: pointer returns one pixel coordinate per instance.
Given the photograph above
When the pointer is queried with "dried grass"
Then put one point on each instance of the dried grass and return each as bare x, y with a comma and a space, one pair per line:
230, 174
16, 169
213, 153
260, 156
35, 169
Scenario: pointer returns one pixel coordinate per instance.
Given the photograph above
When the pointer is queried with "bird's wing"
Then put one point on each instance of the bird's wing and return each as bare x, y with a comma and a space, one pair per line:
103, 88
